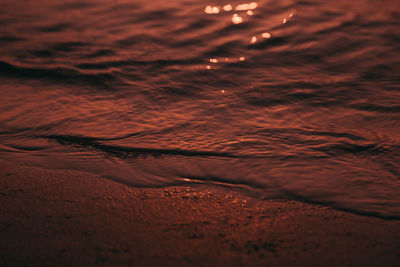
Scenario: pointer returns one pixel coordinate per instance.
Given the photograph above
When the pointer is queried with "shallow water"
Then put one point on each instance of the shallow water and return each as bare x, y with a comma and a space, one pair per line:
292, 99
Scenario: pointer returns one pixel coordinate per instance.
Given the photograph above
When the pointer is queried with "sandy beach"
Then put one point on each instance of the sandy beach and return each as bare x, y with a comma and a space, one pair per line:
65, 218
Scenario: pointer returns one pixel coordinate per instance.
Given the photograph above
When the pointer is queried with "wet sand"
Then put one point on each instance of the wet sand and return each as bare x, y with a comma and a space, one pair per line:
52, 218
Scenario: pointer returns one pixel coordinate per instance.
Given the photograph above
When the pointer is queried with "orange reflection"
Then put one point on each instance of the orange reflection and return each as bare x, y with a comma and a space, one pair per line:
266, 35
227, 7
236, 19
291, 14
244, 7
211, 10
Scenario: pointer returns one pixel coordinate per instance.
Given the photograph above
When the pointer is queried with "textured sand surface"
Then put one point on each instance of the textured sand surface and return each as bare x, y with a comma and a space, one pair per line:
53, 218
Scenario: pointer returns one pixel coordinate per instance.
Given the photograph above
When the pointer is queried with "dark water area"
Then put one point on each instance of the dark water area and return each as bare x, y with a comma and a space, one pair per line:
280, 99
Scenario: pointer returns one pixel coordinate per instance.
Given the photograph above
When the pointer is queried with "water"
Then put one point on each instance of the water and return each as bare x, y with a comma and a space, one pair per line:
292, 99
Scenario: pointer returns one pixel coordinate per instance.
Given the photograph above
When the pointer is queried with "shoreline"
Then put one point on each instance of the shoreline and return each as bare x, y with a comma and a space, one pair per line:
77, 218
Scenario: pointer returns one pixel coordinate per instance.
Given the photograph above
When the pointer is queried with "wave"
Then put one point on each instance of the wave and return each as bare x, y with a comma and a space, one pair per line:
352, 148
59, 75
122, 151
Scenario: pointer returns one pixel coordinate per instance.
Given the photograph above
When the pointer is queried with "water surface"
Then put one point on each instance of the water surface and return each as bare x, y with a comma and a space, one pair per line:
292, 99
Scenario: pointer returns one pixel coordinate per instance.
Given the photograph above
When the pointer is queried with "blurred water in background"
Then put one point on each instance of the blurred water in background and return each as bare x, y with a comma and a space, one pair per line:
292, 99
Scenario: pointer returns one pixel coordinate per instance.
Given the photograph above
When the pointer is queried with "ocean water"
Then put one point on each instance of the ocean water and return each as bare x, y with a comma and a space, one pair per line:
277, 98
